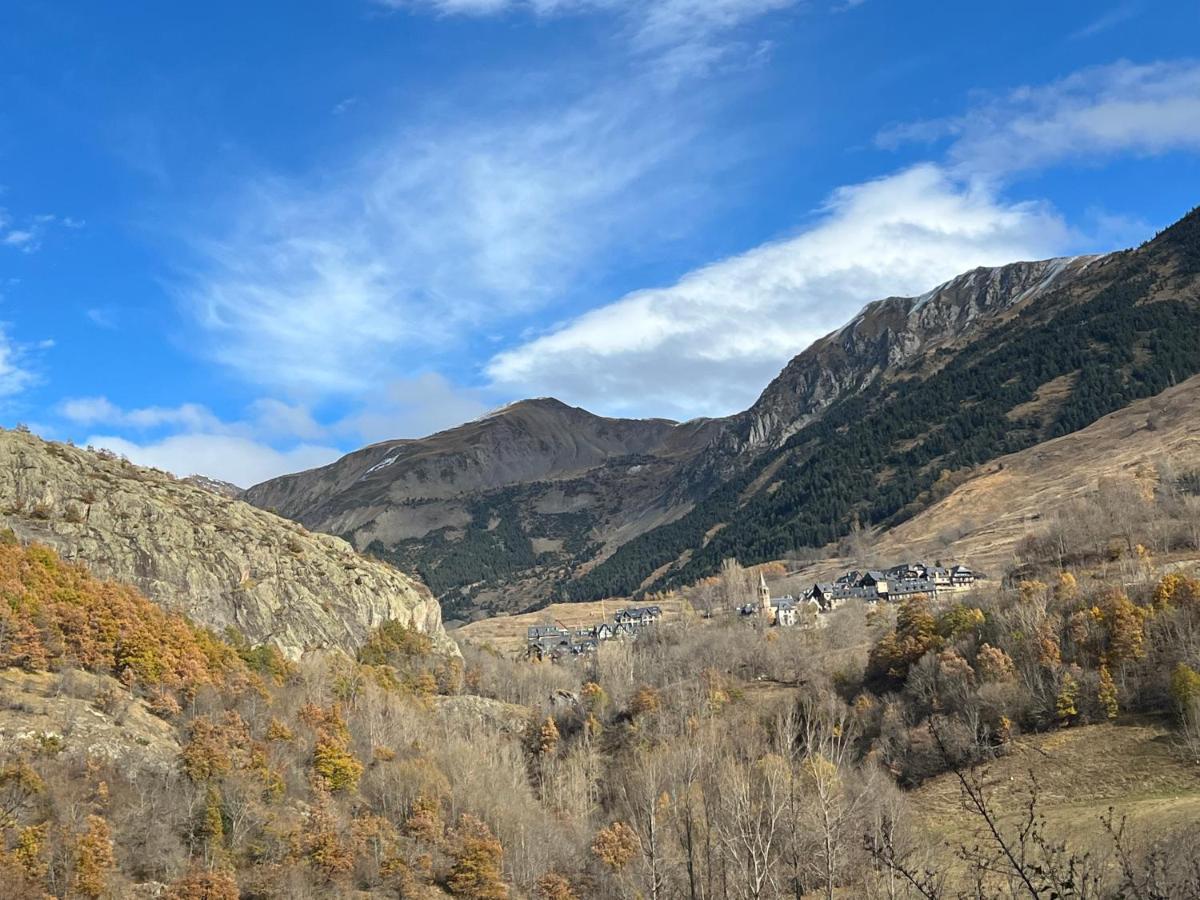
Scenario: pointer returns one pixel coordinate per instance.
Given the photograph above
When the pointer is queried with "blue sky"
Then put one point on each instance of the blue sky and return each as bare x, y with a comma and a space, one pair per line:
242, 239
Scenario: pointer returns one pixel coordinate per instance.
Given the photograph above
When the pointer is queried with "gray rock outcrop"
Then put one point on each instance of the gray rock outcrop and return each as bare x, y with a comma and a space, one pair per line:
221, 562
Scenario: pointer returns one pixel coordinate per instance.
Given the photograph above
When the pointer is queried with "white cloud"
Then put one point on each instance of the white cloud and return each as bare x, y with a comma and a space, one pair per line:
432, 234
273, 437
1107, 20
680, 37
708, 344
1093, 114
96, 410
415, 407
15, 374
239, 460
28, 234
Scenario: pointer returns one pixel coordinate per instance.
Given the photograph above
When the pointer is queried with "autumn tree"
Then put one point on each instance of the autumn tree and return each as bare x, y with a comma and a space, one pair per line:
476, 873
915, 635
94, 860
553, 886
1107, 693
200, 884
615, 846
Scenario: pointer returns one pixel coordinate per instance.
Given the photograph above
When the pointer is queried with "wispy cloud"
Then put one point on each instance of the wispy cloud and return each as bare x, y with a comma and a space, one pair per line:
95, 410
271, 437
680, 37
26, 234
1107, 20
433, 233
710, 342
1096, 113
238, 460
190, 438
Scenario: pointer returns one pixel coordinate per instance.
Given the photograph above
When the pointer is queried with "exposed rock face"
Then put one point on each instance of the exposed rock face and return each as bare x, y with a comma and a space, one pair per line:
216, 486
891, 333
220, 561
471, 714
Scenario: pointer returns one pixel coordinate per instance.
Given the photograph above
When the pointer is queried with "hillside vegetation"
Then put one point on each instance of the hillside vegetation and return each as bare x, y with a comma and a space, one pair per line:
708, 759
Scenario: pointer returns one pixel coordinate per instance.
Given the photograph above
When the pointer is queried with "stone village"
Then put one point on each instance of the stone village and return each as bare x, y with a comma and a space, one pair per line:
555, 641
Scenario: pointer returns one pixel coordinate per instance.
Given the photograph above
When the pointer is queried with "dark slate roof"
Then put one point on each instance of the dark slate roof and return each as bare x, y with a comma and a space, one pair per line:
912, 586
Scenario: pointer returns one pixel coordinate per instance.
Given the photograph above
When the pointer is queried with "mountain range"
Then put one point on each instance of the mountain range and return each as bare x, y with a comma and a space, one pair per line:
871, 424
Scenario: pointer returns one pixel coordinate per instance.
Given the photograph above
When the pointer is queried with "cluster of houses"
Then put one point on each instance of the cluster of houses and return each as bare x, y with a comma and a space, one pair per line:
887, 586
557, 641
893, 585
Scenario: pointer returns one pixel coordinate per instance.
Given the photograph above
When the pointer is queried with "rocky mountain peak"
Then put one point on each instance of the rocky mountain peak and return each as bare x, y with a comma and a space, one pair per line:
890, 333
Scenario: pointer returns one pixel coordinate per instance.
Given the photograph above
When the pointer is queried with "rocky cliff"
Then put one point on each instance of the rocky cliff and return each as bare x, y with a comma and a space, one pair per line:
222, 562
891, 333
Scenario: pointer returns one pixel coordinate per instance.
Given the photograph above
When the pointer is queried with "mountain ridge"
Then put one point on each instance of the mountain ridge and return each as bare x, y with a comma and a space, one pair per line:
586, 525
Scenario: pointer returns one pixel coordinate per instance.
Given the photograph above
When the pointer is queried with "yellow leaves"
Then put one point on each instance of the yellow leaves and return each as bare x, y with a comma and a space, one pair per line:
1164, 591
1031, 590
1068, 694
615, 846
476, 873
553, 886
959, 620
593, 696
335, 764
278, 731
1107, 693
1004, 730
645, 700
1066, 587
200, 883
818, 773
424, 822
1185, 687
1126, 628
94, 860
994, 664
58, 612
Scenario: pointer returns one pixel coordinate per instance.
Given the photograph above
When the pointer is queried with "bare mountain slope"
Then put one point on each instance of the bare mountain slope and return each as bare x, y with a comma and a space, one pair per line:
222, 562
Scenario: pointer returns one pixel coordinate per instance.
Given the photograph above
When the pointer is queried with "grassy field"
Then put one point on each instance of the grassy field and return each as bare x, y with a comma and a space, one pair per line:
507, 633
1132, 766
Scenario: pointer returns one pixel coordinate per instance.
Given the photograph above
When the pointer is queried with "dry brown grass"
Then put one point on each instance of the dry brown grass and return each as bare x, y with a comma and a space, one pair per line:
1132, 766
